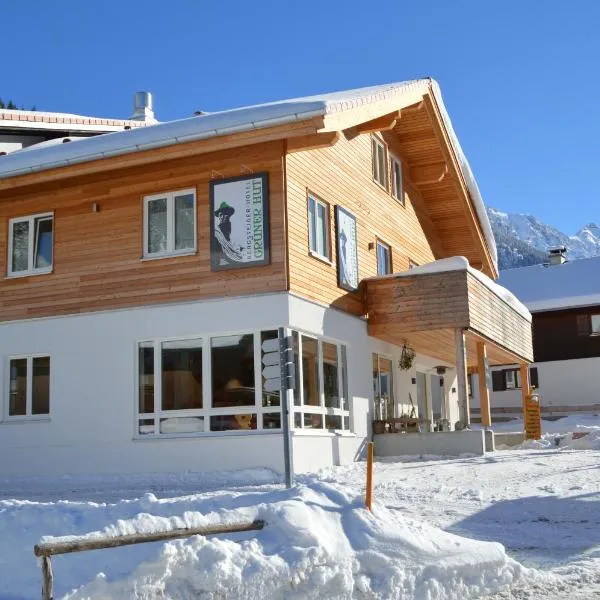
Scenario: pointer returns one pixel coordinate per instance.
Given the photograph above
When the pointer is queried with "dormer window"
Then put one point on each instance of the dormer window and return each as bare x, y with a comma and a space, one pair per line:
380, 162
30, 245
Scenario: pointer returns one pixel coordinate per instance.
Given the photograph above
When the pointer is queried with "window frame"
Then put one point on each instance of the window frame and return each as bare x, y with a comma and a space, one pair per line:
30, 219
397, 194
318, 201
380, 243
207, 411
594, 332
377, 142
28, 416
170, 199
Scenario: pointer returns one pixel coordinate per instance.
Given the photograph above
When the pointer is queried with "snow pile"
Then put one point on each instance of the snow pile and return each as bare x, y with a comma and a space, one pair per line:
319, 542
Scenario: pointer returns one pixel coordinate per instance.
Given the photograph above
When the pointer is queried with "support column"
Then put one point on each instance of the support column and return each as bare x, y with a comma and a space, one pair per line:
525, 388
461, 373
484, 392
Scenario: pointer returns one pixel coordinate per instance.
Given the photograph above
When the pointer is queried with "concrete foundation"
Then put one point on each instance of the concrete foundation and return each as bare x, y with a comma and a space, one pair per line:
509, 439
447, 443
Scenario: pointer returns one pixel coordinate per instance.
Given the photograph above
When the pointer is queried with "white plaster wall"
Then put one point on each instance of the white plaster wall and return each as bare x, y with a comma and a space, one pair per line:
573, 382
317, 451
452, 443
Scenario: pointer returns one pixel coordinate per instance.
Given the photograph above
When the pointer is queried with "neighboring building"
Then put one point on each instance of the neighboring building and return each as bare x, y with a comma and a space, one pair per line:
564, 298
24, 128
146, 269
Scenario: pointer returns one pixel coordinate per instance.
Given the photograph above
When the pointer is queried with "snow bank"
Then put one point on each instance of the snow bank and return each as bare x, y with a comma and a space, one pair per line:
319, 542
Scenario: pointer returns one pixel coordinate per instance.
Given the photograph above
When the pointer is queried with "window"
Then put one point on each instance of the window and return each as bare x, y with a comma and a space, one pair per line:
197, 385
384, 259
379, 156
513, 379
510, 379
318, 227
30, 245
397, 188
595, 324
29, 387
383, 387
323, 385
170, 224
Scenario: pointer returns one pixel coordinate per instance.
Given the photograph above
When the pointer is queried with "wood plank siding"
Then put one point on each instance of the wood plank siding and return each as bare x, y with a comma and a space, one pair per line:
425, 309
342, 175
97, 255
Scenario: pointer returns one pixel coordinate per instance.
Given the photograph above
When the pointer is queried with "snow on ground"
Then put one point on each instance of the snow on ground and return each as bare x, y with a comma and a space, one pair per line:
518, 524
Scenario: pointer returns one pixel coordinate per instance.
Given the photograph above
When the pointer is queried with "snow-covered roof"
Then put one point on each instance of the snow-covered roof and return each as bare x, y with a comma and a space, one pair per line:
249, 118
553, 287
36, 120
460, 263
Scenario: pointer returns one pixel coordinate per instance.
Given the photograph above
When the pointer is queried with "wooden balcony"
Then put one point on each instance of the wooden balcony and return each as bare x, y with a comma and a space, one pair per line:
425, 310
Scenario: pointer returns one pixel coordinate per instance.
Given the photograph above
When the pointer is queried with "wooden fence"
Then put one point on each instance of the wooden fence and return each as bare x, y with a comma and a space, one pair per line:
45, 550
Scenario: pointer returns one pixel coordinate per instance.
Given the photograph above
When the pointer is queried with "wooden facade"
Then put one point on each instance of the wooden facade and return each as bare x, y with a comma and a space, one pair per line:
424, 310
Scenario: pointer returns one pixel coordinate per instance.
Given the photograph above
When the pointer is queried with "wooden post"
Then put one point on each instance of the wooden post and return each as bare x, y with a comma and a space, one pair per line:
369, 490
47, 582
461, 373
525, 389
484, 392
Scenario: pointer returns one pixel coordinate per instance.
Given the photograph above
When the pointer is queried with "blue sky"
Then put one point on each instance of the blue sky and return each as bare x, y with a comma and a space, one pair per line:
520, 79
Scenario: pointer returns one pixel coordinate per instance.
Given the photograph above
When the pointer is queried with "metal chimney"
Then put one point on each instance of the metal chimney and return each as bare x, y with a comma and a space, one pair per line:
557, 256
142, 107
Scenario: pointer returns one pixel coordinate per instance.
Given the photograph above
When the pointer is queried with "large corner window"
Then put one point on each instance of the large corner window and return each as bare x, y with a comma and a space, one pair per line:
318, 227
380, 162
28, 387
170, 224
384, 259
30, 245
396, 172
322, 385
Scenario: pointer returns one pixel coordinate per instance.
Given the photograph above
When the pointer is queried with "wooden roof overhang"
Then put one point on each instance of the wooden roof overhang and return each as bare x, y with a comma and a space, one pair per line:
424, 310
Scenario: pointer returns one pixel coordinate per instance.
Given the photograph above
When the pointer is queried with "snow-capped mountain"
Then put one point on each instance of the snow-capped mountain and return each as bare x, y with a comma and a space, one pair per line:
524, 240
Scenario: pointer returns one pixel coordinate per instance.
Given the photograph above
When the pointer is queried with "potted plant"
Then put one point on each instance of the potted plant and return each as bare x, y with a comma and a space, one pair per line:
407, 357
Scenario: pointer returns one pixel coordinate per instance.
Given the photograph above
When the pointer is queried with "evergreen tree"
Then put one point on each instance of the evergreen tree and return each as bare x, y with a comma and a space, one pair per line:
2, 104
11, 105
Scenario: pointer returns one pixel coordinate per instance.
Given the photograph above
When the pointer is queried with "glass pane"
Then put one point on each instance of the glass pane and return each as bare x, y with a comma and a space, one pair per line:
296, 344
347, 423
17, 399
313, 421
298, 420
157, 226
272, 421
333, 422
312, 225
345, 398
146, 426
232, 359
386, 386
40, 387
184, 222
181, 374
310, 372
20, 246
330, 376
146, 377
595, 323
270, 391
322, 230
43, 243
182, 425
381, 165
383, 259
233, 422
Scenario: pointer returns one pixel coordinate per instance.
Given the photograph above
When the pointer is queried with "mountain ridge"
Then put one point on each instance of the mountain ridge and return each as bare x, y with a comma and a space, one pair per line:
523, 240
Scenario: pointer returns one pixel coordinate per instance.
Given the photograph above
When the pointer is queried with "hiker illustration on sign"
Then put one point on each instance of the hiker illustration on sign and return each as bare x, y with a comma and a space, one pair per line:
239, 222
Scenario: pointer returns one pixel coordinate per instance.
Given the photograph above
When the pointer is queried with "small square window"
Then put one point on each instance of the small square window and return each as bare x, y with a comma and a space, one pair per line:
30, 245
170, 224
318, 227
28, 386
384, 259
396, 172
380, 162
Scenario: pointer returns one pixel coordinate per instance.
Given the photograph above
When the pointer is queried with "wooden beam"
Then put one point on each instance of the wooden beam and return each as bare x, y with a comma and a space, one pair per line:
413, 108
312, 142
461, 373
428, 174
384, 123
484, 392
525, 389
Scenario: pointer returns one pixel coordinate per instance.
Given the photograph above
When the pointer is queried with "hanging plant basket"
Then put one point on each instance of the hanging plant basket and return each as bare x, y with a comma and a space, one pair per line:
407, 357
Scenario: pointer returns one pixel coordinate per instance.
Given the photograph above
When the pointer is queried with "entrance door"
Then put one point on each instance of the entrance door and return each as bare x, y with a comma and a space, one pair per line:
437, 398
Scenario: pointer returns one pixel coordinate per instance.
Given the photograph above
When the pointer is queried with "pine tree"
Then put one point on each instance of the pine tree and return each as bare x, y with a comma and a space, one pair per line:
2, 104
11, 105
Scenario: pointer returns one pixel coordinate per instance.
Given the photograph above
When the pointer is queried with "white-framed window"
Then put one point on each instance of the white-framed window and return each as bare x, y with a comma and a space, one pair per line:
321, 400
513, 379
396, 174
595, 319
318, 227
384, 258
170, 224
28, 394
30, 244
383, 387
380, 161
